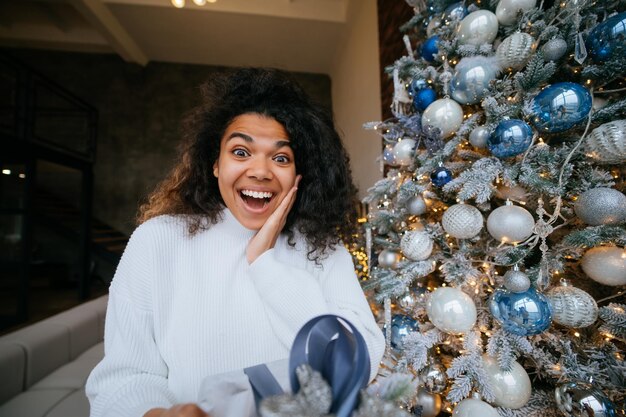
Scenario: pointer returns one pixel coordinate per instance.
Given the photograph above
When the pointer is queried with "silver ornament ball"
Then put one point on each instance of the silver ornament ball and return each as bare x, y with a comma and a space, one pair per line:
512, 388
507, 10
404, 151
388, 258
606, 265
474, 407
510, 224
516, 281
434, 378
578, 399
607, 143
416, 205
601, 206
444, 114
430, 403
479, 136
451, 310
554, 49
515, 51
416, 245
477, 28
471, 78
462, 221
572, 307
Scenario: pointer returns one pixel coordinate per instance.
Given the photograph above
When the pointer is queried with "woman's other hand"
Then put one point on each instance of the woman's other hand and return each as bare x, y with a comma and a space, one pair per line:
179, 410
266, 237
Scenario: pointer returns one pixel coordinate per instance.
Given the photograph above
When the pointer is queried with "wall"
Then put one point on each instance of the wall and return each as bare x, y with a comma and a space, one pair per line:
356, 91
140, 109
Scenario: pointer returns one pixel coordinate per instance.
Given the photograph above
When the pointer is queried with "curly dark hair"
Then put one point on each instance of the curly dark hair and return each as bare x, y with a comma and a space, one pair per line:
325, 207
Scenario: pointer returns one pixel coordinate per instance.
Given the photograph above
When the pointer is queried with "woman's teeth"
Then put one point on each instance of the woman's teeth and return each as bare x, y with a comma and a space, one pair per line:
256, 194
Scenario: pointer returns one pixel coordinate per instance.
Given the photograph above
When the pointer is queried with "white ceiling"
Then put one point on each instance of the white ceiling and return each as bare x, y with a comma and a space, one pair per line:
296, 35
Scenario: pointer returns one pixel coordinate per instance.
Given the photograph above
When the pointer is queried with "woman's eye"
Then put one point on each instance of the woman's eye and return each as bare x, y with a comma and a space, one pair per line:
281, 159
240, 152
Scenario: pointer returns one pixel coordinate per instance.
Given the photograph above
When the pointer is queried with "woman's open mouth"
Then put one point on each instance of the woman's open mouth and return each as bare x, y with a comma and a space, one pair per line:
256, 200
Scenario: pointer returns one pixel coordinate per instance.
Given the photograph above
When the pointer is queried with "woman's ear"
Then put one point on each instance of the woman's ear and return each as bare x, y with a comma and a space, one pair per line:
215, 169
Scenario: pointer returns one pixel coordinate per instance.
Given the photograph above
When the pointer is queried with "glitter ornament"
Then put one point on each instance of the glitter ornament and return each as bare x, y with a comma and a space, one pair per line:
388, 258
554, 49
444, 114
607, 37
560, 107
515, 280
429, 403
477, 28
470, 81
601, 206
441, 176
607, 143
510, 223
404, 151
430, 49
512, 388
524, 314
473, 407
416, 245
578, 399
515, 51
416, 205
451, 310
433, 378
401, 326
479, 136
572, 307
511, 137
462, 221
606, 265
507, 10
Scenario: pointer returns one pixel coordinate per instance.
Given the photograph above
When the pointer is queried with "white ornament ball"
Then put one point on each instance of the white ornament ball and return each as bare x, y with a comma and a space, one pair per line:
416, 205
445, 114
479, 136
404, 151
510, 224
515, 50
388, 258
512, 388
554, 49
506, 11
416, 245
477, 28
607, 143
572, 307
473, 407
451, 310
601, 206
606, 265
516, 281
430, 403
462, 221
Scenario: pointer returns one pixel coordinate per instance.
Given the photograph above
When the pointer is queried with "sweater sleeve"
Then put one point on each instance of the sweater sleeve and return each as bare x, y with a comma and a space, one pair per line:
132, 377
293, 296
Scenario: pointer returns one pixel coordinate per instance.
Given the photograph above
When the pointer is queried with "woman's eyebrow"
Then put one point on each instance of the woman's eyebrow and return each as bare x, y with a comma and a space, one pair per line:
279, 143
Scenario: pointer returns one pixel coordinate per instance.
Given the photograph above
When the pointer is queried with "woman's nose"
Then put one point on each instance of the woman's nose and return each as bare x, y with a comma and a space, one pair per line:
260, 169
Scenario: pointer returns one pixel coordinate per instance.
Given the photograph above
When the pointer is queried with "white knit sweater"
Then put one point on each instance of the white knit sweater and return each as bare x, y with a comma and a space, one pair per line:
185, 307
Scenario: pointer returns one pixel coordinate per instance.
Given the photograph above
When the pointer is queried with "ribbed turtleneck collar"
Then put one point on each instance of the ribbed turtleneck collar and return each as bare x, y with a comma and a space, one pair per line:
231, 225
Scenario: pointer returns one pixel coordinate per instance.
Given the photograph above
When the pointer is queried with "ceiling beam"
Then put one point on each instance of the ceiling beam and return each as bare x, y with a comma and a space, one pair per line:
111, 29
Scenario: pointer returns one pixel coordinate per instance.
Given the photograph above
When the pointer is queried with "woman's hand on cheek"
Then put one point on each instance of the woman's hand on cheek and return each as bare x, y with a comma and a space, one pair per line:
179, 410
266, 237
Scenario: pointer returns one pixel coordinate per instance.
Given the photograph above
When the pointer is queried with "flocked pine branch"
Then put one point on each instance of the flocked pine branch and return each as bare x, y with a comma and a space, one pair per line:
476, 182
417, 344
540, 404
468, 371
614, 318
506, 347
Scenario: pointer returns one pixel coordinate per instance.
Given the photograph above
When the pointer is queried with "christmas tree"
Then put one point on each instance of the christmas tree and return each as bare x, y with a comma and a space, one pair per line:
497, 242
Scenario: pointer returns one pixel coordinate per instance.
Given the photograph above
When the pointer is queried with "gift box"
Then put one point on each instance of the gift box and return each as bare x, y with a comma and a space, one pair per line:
327, 344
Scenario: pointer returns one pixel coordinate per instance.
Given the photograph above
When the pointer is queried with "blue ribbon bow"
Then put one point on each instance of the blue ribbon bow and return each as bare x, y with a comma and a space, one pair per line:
332, 346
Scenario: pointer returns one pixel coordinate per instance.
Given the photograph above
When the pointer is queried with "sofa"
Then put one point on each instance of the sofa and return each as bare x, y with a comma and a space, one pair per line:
44, 367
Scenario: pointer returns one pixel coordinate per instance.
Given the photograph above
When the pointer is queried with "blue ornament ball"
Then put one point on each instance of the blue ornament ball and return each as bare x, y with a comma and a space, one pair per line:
441, 176
389, 157
524, 314
416, 85
401, 326
430, 48
604, 39
455, 11
511, 137
560, 106
423, 98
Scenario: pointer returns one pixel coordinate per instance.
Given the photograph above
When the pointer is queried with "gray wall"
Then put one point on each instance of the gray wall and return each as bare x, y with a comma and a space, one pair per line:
140, 109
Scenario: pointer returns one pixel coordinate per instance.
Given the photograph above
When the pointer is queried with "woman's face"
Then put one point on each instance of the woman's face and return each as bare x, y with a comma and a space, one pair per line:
255, 169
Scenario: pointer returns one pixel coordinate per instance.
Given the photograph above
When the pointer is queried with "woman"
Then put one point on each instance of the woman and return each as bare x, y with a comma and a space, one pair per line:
236, 250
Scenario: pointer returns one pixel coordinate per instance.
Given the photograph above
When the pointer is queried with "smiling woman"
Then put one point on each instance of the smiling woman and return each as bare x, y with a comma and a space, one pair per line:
236, 249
